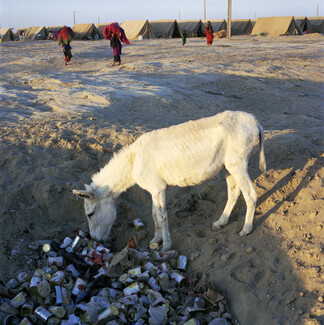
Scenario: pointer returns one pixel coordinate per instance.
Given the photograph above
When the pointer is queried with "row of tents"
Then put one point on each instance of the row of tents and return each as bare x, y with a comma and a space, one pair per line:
271, 26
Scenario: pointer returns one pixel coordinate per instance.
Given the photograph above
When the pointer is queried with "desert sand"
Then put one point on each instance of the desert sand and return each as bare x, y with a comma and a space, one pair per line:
61, 124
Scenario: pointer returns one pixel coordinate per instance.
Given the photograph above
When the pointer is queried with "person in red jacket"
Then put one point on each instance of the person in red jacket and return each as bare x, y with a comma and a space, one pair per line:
209, 33
64, 38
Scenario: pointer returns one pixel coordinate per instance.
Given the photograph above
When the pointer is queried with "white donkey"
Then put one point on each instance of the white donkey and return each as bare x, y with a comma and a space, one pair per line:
184, 155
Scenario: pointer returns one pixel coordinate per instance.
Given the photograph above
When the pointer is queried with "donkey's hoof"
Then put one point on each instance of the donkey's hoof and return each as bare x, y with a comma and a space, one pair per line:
166, 246
216, 226
245, 231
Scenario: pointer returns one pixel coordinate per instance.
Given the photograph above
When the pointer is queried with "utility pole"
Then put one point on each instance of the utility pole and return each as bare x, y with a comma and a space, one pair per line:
73, 17
229, 18
98, 20
317, 12
204, 9
179, 15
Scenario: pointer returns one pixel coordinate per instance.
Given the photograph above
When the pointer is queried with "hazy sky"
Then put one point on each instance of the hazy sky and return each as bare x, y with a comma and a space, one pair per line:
27, 13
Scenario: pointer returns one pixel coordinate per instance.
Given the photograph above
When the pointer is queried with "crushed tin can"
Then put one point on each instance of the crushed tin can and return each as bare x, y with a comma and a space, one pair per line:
135, 272
58, 295
25, 321
79, 286
131, 289
66, 242
57, 278
153, 270
76, 243
178, 277
164, 267
18, 300
57, 261
58, 311
72, 270
27, 308
153, 283
109, 292
139, 225
109, 314
182, 262
34, 283
23, 277
42, 313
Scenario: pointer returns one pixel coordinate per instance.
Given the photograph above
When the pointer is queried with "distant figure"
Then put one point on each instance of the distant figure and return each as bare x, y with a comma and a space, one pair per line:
209, 33
21, 35
184, 37
64, 38
115, 34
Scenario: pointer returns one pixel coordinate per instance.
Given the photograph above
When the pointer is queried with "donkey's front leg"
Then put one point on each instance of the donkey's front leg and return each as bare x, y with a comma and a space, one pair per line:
162, 219
158, 231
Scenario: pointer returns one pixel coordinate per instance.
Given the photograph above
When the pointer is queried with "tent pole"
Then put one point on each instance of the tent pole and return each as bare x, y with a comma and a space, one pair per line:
229, 18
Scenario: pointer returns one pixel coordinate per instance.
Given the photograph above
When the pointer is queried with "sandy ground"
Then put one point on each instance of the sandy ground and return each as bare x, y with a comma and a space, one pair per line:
60, 124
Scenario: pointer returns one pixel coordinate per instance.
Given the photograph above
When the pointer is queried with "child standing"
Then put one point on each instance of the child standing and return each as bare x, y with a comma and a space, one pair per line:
184, 37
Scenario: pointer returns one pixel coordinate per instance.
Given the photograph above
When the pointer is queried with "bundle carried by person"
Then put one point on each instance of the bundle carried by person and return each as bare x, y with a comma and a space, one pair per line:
114, 28
65, 36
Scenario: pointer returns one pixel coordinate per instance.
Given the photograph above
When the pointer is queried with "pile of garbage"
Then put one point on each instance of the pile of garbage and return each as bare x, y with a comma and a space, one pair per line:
80, 281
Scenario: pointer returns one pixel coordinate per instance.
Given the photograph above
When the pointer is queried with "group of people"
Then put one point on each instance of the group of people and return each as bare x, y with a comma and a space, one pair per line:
112, 32
116, 35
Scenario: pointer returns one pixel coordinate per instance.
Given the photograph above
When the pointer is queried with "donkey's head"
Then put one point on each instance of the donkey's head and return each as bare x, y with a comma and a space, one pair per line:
100, 210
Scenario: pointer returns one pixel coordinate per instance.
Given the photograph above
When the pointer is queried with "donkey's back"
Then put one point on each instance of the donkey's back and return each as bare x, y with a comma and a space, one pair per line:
192, 152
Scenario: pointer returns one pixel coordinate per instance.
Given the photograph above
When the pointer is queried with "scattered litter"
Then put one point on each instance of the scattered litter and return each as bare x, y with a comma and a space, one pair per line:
81, 281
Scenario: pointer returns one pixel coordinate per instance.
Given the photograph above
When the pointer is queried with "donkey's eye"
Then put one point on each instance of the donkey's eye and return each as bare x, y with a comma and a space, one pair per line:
90, 214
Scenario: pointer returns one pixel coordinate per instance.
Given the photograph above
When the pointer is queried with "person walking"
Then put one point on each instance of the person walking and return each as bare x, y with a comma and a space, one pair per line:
116, 35
64, 39
184, 37
209, 33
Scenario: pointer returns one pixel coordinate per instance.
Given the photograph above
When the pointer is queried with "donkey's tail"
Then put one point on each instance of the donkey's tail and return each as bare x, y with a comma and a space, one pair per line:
262, 162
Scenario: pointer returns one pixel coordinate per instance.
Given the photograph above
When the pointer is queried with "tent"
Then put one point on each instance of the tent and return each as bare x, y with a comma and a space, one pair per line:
6, 35
317, 24
218, 24
101, 26
86, 32
192, 27
241, 26
135, 28
304, 25
275, 26
36, 33
253, 21
166, 28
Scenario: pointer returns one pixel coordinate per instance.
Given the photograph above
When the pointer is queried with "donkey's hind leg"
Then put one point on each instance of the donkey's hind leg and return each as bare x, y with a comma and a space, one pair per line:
233, 193
243, 181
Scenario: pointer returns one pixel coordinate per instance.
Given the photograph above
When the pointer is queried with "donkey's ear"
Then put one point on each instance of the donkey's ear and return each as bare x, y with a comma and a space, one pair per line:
84, 194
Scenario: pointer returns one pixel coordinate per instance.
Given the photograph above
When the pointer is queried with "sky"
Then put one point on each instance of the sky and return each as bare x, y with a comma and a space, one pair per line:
27, 13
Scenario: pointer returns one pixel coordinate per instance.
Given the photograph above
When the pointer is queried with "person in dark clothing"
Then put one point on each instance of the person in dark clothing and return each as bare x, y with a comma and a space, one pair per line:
184, 37
116, 35
116, 45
